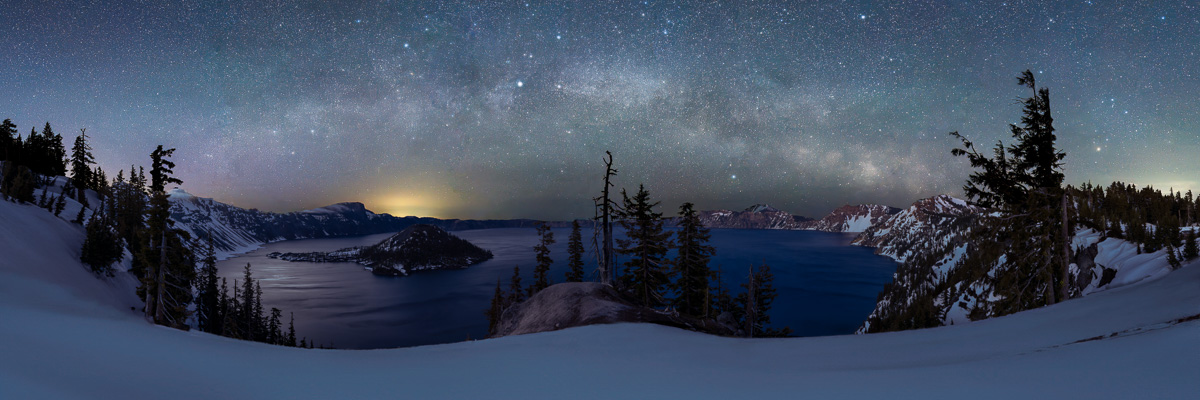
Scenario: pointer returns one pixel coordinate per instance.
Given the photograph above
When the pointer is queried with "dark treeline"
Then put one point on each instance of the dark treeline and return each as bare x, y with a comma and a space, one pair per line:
132, 212
685, 283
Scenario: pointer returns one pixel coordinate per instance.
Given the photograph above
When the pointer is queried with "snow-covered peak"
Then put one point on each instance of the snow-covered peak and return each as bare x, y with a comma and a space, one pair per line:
179, 194
339, 208
758, 208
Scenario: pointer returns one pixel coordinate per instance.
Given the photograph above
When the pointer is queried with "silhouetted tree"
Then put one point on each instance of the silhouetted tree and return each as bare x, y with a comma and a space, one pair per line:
691, 263
645, 274
541, 271
575, 254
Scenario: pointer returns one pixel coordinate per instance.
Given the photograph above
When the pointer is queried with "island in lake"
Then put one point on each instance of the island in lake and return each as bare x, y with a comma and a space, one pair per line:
416, 248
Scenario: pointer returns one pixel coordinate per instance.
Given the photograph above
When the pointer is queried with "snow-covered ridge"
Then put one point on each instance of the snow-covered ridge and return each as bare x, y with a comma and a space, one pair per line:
927, 226
849, 218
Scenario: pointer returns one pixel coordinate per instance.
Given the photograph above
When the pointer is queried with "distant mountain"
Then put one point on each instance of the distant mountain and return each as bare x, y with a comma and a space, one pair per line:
758, 216
851, 218
236, 230
418, 247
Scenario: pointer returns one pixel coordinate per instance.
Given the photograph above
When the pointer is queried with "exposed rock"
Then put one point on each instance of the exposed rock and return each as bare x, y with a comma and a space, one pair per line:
572, 304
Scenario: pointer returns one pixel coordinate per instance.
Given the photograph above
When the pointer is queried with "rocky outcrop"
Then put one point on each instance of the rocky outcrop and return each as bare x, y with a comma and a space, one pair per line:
572, 304
416, 248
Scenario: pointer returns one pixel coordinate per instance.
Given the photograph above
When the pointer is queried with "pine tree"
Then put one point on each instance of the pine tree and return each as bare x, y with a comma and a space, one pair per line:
575, 254
81, 162
291, 335
1172, 258
516, 293
19, 183
1190, 251
274, 328
60, 203
691, 263
1024, 182
496, 310
541, 271
259, 318
168, 265
208, 311
756, 300
645, 274
101, 246
8, 143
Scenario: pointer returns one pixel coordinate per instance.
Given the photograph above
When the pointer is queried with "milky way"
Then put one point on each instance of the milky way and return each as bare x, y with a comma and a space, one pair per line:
504, 109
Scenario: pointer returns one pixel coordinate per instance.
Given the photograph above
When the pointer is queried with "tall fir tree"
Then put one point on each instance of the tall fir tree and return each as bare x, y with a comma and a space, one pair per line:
102, 247
645, 274
575, 254
516, 293
1024, 182
208, 302
496, 309
81, 163
290, 341
691, 264
169, 266
8, 140
541, 271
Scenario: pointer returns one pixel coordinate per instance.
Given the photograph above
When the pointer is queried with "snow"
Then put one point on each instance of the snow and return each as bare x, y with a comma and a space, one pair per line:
68, 334
858, 223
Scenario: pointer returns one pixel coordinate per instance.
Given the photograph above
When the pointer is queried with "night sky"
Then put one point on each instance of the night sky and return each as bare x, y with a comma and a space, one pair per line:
481, 109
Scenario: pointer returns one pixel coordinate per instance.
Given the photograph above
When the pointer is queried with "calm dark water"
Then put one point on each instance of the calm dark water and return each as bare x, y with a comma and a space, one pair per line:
825, 287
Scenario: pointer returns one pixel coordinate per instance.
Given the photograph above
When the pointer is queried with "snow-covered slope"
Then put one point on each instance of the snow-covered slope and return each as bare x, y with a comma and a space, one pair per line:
851, 218
66, 334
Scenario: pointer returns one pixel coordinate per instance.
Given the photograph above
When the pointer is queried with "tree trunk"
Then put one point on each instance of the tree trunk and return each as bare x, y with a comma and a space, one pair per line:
160, 280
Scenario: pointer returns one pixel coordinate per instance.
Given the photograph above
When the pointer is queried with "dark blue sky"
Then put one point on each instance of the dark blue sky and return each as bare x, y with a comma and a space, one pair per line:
503, 109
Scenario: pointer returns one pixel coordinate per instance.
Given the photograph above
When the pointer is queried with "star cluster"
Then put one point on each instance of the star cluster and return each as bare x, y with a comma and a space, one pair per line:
479, 109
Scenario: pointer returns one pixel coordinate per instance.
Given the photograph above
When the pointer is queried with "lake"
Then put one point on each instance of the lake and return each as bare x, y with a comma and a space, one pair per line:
824, 286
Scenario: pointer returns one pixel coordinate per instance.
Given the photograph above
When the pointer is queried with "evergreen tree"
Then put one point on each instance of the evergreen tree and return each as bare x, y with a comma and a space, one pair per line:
720, 300
81, 162
56, 154
60, 203
291, 335
1190, 251
248, 321
260, 318
516, 294
1172, 258
274, 328
496, 310
756, 300
541, 271
575, 254
169, 266
208, 307
19, 183
691, 263
1024, 182
101, 247
8, 142
645, 274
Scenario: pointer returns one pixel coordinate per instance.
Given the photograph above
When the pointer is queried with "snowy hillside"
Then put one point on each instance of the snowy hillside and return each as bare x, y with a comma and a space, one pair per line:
758, 216
67, 334
925, 227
